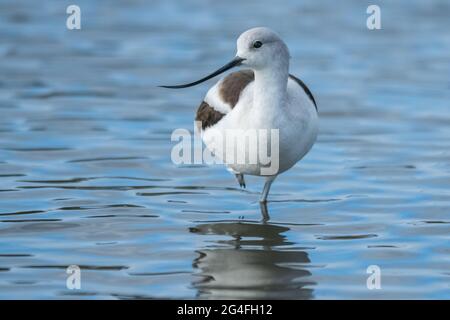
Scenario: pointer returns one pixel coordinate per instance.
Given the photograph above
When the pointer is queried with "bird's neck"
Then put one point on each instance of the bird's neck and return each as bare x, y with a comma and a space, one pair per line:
271, 88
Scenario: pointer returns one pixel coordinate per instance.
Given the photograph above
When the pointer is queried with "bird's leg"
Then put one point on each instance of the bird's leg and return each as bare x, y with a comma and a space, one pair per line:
266, 189
240, 179
264, 212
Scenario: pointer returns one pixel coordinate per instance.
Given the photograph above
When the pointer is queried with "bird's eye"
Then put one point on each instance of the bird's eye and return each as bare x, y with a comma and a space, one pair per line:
257, 44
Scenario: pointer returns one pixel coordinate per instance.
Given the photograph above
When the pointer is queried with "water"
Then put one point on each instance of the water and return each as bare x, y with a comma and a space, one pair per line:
86, 176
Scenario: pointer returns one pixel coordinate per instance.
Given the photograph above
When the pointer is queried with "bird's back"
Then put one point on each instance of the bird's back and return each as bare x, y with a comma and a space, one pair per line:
223, 97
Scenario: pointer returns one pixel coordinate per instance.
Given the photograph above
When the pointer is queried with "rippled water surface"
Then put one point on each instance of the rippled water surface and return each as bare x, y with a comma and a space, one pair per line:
86, 176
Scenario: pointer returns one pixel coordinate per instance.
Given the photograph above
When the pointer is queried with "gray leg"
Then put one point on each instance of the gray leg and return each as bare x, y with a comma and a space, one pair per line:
240, 179
266, 189
264, 212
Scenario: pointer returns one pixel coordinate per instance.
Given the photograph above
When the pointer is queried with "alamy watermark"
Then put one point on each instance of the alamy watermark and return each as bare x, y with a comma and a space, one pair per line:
74, 279
232, 147
374, 280
74, 19
373, 22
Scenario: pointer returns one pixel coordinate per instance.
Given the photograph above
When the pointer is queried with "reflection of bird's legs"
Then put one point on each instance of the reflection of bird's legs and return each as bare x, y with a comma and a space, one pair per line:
264, 211
266, 189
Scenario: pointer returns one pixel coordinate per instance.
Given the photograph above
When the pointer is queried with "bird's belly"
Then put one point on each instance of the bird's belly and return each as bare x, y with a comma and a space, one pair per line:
266, 147
295, 143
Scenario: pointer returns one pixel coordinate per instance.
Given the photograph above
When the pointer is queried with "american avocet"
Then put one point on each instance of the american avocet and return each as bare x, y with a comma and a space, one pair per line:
266, 97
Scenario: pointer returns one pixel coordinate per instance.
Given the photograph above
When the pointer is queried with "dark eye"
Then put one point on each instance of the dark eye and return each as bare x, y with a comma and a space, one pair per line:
257, 44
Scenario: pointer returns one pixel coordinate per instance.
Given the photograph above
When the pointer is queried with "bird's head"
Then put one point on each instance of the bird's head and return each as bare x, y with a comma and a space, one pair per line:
260, 48
257, 48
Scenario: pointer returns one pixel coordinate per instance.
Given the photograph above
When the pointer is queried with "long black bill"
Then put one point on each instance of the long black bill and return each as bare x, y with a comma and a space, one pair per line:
233, 63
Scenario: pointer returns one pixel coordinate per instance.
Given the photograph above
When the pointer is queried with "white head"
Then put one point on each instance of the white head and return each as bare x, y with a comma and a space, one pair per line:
261, 47
258, 48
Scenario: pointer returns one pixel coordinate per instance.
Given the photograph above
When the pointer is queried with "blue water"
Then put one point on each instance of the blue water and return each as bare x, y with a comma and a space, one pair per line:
86, 177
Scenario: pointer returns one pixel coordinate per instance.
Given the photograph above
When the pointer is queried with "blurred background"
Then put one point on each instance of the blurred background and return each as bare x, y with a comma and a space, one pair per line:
86, 177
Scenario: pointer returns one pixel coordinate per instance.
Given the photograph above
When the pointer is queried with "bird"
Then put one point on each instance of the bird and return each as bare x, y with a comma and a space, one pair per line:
262, 95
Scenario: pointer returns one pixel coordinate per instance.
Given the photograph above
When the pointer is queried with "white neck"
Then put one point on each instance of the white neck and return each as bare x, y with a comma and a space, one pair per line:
271, 88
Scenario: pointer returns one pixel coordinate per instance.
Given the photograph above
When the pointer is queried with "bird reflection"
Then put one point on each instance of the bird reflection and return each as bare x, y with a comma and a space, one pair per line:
251, 264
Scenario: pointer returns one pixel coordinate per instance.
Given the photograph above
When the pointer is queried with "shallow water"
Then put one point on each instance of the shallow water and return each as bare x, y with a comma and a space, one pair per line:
86, 175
